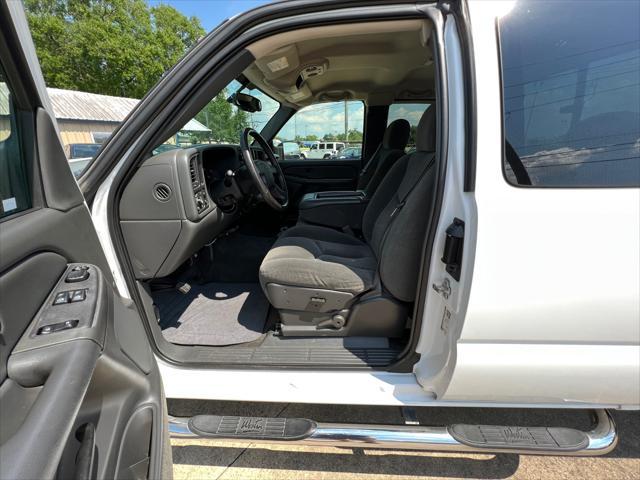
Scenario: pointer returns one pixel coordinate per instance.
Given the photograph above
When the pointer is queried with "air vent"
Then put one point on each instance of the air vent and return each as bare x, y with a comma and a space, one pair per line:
162, 192
193, 172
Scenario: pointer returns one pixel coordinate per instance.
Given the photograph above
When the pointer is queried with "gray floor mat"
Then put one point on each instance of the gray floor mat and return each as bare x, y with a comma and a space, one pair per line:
213, 314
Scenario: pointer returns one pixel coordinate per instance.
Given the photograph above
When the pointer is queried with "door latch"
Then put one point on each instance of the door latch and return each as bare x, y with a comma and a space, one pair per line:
443, 289
452, 255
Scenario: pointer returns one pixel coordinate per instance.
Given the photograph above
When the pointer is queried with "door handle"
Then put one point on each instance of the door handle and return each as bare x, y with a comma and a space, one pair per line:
452, 255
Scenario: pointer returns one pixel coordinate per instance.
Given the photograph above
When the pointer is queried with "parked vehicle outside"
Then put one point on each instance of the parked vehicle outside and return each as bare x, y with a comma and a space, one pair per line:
80, 155
349, 153
325, 150
305, 146
83, 150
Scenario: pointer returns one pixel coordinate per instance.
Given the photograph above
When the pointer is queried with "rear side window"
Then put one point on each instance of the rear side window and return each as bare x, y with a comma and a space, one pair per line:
411, 112
571, 93
15, 194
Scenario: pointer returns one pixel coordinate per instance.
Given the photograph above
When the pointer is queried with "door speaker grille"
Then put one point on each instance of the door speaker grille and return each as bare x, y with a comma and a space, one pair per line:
162, 192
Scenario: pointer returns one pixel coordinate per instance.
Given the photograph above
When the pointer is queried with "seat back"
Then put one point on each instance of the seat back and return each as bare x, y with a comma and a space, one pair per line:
397, 216
391, 149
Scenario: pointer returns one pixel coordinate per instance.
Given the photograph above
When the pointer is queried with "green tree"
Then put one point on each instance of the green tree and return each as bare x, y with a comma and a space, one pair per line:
354, 136
225, 121
412, 135
115, 47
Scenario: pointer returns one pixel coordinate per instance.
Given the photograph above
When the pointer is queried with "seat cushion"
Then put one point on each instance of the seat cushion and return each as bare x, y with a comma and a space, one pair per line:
319, 257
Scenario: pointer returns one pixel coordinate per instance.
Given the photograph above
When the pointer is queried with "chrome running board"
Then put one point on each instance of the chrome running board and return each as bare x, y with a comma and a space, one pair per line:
454, 438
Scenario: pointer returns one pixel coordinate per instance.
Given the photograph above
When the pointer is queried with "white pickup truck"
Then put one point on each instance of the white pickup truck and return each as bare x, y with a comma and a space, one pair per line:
497, 264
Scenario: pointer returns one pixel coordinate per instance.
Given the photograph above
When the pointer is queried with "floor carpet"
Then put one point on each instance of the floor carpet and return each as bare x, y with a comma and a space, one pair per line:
213, 314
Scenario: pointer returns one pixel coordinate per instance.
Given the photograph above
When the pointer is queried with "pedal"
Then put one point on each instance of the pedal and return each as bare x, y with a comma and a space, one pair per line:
252, 428
183, 287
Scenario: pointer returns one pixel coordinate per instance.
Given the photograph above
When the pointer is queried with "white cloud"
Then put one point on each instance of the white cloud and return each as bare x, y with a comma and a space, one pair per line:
409, 111
324, 118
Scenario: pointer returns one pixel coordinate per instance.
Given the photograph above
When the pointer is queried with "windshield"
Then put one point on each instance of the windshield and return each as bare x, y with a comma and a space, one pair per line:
220, 122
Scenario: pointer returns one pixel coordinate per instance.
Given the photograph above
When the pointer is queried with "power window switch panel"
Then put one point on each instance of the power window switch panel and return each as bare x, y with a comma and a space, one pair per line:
78, 295
61, 298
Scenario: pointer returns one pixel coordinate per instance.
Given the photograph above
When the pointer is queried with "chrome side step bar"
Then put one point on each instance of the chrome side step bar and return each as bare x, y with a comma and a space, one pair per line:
454, 438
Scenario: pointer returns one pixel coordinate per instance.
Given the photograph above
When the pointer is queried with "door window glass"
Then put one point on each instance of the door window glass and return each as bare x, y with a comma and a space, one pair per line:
330, 122
15, 194
571, 93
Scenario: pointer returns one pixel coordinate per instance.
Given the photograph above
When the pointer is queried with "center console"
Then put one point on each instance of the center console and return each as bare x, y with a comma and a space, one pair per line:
334, 209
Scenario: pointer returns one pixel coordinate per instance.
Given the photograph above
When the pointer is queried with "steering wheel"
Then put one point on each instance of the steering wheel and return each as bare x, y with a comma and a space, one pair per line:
267, 176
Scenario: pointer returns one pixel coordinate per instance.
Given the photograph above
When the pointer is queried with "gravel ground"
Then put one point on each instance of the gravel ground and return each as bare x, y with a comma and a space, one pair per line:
207, 459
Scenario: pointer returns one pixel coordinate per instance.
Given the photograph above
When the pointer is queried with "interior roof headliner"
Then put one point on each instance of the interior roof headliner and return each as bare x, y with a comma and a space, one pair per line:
377, 62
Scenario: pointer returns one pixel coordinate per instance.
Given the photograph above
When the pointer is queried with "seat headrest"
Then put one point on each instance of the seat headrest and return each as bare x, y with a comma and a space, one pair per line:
396, 135
426, 131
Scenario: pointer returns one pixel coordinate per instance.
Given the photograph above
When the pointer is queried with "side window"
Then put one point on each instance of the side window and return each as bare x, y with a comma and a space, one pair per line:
571, 93
327, 123
15, 194
412, 112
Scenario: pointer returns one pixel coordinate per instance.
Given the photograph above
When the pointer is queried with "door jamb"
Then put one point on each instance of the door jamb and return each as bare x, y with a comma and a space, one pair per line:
105, 207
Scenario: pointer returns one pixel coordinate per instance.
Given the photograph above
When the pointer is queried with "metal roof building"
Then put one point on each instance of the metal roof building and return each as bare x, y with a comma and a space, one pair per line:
4, 111
88, 117
72, 105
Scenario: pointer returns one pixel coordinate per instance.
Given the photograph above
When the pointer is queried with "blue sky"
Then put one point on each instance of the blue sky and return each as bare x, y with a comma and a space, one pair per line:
210, 12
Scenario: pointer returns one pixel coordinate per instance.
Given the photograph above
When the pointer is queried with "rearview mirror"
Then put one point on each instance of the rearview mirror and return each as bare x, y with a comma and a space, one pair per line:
245, 102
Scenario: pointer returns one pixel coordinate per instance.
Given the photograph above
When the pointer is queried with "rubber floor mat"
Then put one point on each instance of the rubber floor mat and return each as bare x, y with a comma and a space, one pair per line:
213, 314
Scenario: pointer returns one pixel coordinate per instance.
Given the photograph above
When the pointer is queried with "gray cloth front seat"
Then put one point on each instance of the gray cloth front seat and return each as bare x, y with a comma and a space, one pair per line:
313, 274
390, 150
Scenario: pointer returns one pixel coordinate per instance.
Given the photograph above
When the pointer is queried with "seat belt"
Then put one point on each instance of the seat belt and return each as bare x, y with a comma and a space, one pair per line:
403, 200
365, 169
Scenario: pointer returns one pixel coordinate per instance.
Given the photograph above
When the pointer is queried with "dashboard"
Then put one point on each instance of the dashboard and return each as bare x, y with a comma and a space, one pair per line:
180, 200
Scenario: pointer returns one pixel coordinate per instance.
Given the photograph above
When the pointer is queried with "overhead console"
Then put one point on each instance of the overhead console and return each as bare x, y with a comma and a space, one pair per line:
166, 213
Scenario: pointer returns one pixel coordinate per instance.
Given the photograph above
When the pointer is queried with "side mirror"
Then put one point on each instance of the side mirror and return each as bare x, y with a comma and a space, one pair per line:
245, 102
